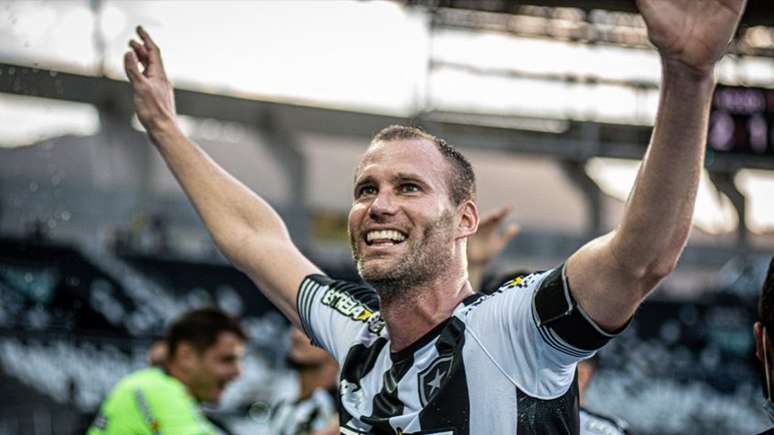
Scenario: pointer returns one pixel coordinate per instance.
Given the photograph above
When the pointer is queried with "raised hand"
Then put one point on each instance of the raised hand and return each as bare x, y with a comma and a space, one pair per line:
154, 98
694, 33
489, 240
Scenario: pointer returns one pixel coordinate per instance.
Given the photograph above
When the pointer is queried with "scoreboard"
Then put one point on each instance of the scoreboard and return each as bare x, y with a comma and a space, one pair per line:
742, 121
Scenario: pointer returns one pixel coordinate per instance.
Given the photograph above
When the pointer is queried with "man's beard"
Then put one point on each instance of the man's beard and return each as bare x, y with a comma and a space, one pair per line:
426, 258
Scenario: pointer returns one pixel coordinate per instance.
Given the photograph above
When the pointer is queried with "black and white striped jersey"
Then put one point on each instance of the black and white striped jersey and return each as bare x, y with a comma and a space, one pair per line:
503, 363
592, 423
302, 417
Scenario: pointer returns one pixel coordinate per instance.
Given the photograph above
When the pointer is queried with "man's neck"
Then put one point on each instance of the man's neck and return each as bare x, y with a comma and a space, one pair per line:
411, 317
174, 371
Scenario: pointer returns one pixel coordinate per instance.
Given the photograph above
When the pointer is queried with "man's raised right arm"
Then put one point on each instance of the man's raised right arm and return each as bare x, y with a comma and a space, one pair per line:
244, 227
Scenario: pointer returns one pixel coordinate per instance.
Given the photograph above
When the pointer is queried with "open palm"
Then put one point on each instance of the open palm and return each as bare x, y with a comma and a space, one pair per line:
692, 32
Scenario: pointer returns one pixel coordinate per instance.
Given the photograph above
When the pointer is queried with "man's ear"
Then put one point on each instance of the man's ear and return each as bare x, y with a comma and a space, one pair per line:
186, 355
468, 219
758, 332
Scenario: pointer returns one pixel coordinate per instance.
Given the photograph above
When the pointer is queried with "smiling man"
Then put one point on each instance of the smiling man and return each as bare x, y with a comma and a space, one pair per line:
205, 349
420, 351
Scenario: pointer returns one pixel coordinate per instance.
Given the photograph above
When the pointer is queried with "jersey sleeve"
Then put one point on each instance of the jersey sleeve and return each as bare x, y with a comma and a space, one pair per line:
333, 312
536, 332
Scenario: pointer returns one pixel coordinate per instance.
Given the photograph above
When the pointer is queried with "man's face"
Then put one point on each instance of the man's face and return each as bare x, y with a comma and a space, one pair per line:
402, 222
303, 353
213, 369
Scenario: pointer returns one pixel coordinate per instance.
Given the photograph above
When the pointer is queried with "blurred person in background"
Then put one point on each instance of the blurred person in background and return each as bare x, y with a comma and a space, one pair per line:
313, 410
593, 423
205, 348
419, 349
764, 349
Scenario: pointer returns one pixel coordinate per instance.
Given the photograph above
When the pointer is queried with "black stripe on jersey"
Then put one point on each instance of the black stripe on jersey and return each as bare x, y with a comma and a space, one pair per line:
386, 403
557, 343
556, 309
450, 407
359, 362
549, 417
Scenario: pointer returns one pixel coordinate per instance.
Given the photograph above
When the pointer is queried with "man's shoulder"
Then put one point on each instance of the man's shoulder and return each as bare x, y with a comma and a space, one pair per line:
514, 281
358, 291
357, 301
516, 284
768, 432
150, 381
508, 280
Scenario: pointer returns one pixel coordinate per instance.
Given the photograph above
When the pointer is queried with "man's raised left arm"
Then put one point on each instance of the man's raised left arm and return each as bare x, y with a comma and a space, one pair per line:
610, 276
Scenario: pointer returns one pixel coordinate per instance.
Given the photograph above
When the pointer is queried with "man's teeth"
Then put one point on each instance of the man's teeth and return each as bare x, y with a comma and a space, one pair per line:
385, 235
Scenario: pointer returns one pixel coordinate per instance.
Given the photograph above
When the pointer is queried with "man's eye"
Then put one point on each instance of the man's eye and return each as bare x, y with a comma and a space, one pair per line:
409, 188
366, 190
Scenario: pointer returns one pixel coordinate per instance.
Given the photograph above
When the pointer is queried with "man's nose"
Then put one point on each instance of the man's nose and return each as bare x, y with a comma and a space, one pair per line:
383, 205
236, 372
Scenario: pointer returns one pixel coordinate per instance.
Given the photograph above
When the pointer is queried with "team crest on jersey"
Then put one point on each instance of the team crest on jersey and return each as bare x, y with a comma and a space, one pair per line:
432, 378
346, 305
375, 324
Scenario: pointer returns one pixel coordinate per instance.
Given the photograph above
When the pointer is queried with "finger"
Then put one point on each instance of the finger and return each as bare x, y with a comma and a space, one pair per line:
146, 39
489, 224
502, 212
154, 64
130, 66
140, 50
495, 217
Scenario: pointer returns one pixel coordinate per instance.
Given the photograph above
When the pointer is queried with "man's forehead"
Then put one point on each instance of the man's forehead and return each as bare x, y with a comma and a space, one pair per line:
413, 151
227, 339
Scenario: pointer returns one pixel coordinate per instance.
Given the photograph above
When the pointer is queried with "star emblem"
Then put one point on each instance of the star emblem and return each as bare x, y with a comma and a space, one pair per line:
430, 379
436, 382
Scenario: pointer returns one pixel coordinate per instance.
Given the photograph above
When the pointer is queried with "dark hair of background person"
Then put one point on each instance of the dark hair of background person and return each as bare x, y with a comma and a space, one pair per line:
462, 180
201, 328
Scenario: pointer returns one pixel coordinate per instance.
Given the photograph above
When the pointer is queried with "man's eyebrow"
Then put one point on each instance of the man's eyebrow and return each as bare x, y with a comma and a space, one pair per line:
394, 179
407, 176
365, 179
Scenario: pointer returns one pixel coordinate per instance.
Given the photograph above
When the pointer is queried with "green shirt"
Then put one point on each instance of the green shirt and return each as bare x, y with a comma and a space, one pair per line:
150, 402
